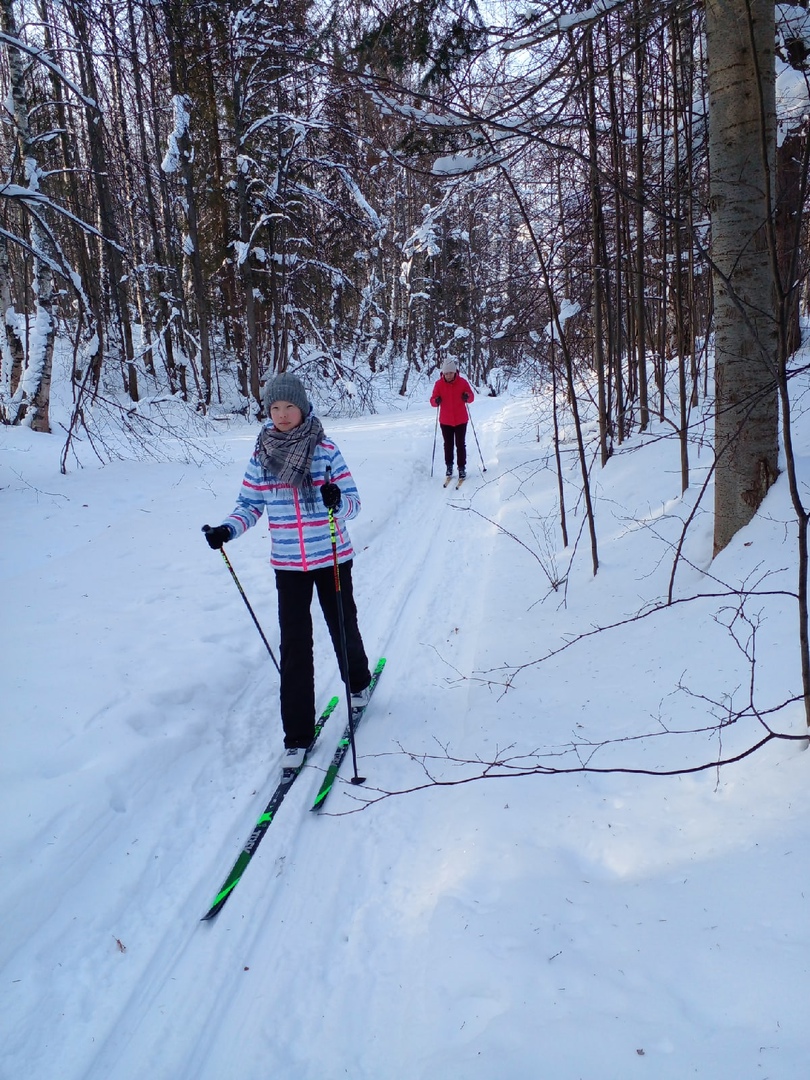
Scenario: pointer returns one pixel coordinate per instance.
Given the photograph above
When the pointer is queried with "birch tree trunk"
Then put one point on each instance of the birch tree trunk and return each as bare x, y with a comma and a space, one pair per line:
740, 41
12, 348
33, 398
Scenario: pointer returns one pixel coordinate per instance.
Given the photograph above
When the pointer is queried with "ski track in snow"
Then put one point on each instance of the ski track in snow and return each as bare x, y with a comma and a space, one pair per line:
465, 934
403, 593
404, 596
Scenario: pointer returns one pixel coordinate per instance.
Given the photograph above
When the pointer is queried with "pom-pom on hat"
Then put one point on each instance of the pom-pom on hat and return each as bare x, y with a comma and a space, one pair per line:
287, 387
449, 366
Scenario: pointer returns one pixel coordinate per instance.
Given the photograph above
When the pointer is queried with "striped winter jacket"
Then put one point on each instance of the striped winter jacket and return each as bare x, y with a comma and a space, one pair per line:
299, 537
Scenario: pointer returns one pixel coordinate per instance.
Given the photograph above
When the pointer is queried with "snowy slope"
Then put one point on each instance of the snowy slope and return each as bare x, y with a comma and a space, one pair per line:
570, 925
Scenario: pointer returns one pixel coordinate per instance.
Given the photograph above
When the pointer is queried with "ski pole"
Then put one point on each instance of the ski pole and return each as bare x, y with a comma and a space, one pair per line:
472, 425
206, 528
342, 627
435, 432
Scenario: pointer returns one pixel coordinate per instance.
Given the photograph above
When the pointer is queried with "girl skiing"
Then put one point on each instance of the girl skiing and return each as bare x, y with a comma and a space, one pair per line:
296, 475
451, 395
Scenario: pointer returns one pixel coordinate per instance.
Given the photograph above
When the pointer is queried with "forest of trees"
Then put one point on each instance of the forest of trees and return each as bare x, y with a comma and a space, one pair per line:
196, 193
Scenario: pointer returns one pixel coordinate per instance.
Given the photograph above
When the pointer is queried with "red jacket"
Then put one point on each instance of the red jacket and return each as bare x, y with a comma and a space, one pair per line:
453, 409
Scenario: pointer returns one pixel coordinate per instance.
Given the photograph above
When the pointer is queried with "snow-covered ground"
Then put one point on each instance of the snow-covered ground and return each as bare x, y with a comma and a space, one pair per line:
570, 923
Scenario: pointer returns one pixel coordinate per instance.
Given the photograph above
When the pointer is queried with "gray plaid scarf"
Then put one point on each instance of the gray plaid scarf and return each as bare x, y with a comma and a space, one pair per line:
287, 455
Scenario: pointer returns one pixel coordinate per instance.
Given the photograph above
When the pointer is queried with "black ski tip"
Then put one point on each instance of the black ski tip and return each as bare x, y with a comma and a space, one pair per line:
358, 780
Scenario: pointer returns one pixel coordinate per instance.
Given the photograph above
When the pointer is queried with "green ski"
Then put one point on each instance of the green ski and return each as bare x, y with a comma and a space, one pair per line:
262, 825
345, 740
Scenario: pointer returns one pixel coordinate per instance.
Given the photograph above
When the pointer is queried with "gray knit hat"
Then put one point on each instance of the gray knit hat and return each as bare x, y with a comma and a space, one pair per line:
287, 387
449, 366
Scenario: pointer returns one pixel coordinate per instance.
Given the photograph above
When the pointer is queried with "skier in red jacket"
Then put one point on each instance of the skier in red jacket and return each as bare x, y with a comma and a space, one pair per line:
451, 395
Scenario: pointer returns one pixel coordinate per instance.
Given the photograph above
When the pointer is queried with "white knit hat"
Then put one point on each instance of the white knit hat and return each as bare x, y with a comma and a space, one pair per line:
449, 366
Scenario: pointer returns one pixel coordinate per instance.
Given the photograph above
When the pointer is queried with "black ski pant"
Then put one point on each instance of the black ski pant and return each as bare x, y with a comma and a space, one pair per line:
297, 664
455, 435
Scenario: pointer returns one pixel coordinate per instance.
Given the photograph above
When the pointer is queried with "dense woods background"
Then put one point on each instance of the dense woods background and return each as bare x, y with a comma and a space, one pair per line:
196, 193
600, 200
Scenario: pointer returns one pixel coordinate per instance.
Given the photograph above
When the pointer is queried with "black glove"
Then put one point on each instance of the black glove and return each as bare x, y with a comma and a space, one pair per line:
465, 396
330, 493
218, 536
438, 401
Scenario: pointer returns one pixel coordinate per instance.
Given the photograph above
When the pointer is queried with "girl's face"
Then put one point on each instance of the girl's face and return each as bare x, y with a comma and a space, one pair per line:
285, 415
448, 376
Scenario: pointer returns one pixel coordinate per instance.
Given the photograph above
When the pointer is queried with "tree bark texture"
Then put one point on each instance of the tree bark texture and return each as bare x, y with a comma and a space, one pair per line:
740, 37
33, 405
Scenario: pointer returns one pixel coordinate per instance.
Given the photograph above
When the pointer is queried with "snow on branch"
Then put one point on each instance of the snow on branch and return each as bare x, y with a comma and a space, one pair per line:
548, 24
182, 118
792, 88
31, 198
361, 200
287, 121
45, 60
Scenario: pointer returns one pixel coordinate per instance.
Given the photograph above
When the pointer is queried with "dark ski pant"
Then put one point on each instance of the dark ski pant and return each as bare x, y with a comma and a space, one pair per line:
297, 665
456, 435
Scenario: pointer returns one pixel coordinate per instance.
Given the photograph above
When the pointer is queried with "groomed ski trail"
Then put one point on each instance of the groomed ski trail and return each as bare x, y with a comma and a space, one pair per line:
419, 577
